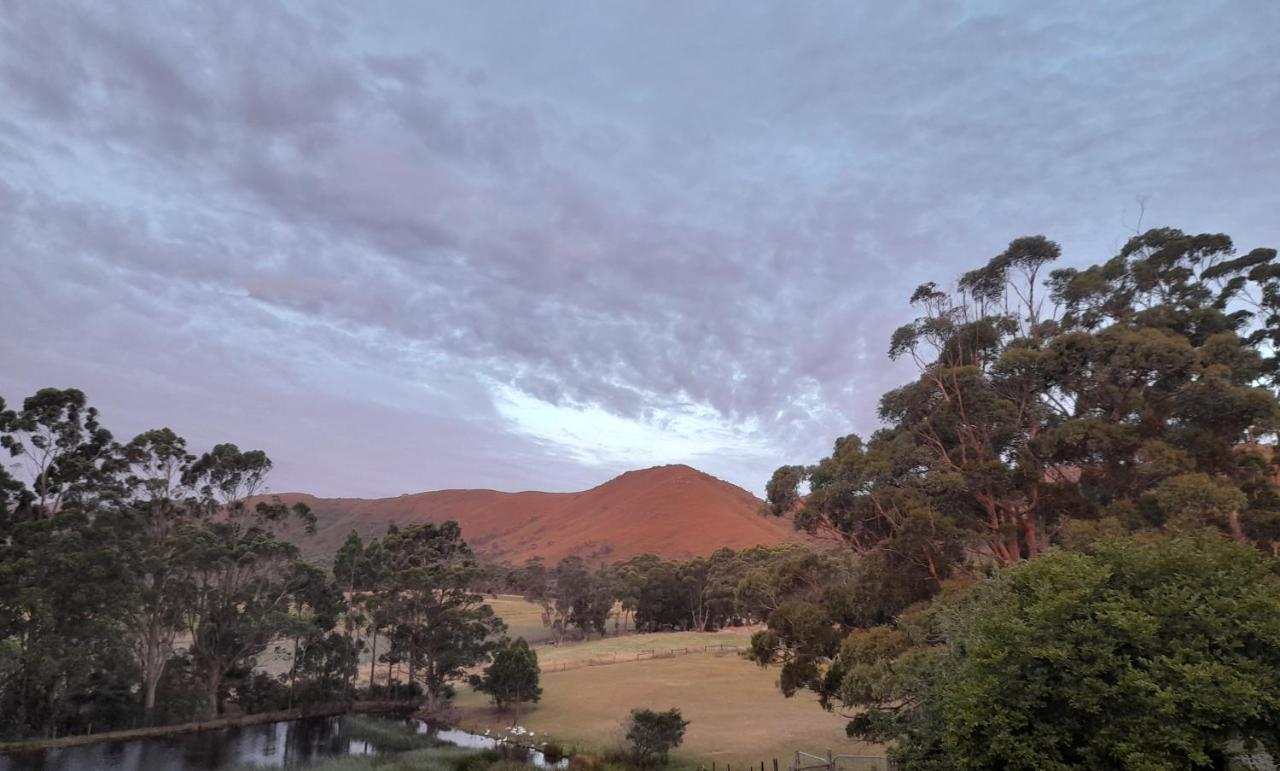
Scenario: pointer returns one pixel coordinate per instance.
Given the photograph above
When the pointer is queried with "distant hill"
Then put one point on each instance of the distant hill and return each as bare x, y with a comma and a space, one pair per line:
672, 511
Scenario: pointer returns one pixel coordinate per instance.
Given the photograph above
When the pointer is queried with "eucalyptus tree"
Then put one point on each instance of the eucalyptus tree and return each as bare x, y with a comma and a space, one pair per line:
1135, 394
438, 625
161, 505
241, 571
1107, 392
60, 573
325, 658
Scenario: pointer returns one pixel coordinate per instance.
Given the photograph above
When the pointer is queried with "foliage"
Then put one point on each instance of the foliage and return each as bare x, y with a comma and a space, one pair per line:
439, 626
512, 678
652, 735
387, 735
111, 553
1141, 653
1139, 392
1128, 397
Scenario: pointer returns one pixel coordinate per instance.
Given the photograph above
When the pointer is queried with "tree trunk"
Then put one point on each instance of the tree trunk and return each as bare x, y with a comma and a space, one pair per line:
149, 702
293, 671
1029, 529
213, 685
1237, 532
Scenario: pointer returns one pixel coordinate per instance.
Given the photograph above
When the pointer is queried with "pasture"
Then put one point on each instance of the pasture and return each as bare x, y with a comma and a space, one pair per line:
737, 714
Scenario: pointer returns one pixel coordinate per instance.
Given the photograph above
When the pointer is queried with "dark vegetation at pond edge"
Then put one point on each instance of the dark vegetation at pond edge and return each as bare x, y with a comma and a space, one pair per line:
1059, 552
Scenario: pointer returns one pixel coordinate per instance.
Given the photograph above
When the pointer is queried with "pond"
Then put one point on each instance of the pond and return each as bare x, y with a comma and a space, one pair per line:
286, 744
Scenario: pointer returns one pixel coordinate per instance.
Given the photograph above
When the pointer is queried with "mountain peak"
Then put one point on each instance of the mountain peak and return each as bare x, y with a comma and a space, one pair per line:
674, 511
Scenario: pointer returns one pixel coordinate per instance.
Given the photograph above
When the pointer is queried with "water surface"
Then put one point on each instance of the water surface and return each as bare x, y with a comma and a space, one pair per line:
285, 744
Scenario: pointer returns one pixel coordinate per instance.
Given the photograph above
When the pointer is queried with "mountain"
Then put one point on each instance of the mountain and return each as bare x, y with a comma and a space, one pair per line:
672, 511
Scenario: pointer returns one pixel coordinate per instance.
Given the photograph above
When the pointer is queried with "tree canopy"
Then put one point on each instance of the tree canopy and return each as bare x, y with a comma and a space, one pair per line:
114, 555
1138, 653
1103, 410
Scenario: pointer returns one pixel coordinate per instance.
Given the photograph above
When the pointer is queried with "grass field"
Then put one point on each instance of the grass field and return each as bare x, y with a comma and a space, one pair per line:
737, 714
523, 618
629, 646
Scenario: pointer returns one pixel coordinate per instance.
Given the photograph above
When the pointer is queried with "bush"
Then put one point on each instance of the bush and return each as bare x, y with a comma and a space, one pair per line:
552, 751
652, 735
512, 678
260, 692
1138, 653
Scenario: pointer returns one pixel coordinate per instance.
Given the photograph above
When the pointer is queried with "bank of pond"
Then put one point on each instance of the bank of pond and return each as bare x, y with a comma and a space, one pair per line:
337, 743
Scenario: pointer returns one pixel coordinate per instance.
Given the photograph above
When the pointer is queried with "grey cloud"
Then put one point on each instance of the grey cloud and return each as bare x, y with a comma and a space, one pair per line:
631, 206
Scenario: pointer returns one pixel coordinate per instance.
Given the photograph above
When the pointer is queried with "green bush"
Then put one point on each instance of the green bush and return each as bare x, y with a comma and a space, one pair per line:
652, 735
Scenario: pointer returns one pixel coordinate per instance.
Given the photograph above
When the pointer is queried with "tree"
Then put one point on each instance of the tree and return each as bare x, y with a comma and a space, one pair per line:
350, 570
652, 735
1142, 653
1145, 370
62, 582
1126, 397
242, 576
161, 504
512, 678
438, 625
325, 659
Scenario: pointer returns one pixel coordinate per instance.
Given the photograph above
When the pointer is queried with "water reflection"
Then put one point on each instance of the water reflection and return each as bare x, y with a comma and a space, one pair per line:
271, 745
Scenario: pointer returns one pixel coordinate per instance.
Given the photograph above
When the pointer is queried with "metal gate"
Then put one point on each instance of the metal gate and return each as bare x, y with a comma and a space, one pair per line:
807, 761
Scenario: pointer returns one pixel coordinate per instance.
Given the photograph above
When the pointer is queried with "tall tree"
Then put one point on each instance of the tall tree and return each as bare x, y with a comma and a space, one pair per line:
1143, 374
242, 580
161, 504
438, 625
61, 578
325, 659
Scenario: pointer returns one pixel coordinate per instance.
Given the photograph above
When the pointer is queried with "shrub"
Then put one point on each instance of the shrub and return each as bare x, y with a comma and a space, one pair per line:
653, 734
512, 678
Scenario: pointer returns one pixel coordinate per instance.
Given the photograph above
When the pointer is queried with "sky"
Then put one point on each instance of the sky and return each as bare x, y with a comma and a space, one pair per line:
404, 246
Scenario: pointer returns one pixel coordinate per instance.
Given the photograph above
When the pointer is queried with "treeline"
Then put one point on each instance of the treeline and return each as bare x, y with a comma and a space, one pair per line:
141, 583
650, 594
1066, 530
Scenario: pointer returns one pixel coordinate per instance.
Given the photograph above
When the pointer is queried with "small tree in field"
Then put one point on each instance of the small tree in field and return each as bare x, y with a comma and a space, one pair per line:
653, 734
512, 678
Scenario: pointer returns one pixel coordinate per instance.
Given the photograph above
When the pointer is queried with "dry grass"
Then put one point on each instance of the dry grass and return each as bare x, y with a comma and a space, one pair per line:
629, 647
523, 618
737, 715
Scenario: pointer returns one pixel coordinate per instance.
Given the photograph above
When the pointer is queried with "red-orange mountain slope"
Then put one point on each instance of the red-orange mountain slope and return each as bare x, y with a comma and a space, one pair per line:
672, 511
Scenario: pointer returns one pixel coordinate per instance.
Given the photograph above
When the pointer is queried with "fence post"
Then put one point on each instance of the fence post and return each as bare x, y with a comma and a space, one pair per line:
775, 764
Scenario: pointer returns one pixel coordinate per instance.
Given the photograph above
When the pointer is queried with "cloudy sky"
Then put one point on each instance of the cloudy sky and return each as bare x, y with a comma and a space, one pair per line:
406, 246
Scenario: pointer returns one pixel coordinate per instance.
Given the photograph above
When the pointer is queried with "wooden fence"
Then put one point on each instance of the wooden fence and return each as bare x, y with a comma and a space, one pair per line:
650, 653
807, 762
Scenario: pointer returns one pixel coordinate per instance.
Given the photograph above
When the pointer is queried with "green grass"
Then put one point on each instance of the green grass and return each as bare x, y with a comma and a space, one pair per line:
388, 735
433, 759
